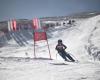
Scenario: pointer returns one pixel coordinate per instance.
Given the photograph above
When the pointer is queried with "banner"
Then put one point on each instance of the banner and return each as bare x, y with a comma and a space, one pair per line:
40, 36
36, 24
14, 25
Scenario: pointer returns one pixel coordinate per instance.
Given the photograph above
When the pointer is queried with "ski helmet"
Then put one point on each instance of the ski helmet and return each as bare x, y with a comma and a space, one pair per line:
59, 40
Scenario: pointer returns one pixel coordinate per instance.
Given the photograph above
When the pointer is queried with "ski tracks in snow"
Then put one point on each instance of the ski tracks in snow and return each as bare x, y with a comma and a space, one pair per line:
42, 69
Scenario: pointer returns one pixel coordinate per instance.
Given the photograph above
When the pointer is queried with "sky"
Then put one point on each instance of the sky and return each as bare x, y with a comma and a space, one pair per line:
28, 9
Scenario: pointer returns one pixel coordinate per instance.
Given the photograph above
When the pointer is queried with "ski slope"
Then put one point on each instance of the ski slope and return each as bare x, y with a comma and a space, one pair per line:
78, 39
81, 40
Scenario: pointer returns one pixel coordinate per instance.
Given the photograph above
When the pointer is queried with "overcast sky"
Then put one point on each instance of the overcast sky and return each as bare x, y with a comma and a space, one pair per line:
29, 9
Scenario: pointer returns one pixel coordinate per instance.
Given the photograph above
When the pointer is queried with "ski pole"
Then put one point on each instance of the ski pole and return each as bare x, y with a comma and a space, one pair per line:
56, 55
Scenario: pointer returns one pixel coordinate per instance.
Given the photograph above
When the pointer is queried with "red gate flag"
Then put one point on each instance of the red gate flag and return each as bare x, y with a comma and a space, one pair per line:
40, 36
36, 23
14, 25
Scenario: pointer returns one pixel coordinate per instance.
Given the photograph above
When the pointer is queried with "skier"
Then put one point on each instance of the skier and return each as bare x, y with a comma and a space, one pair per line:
60, 47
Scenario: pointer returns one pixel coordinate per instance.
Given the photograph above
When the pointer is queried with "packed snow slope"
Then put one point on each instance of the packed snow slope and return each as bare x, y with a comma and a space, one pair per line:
44, 70
81, 40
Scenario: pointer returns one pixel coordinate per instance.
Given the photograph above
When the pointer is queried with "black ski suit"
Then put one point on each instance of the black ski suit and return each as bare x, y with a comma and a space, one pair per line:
61, 51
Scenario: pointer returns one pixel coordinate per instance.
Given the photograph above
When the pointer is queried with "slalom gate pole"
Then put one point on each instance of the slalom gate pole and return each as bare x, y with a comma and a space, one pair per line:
48, 48
47, 44
34, 47
56, 56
